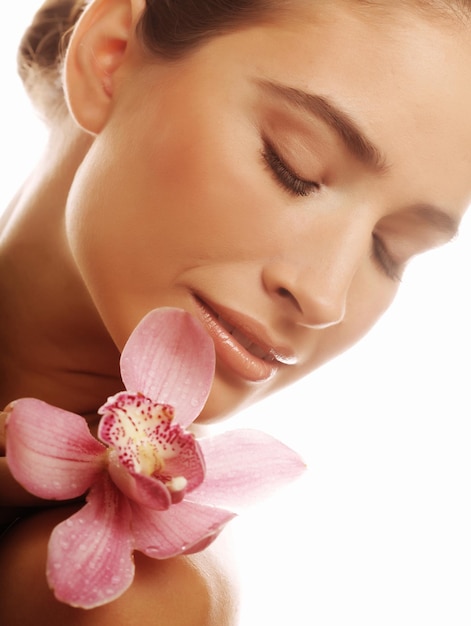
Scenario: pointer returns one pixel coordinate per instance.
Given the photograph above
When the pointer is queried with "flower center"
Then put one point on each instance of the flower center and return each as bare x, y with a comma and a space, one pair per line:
148, 458
146, 442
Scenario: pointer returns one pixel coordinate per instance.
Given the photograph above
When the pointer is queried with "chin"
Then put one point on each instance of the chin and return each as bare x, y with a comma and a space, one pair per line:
226, 399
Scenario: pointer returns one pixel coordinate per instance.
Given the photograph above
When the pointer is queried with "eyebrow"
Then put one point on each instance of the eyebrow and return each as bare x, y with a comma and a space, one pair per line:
357, 143
354, 139
437, 218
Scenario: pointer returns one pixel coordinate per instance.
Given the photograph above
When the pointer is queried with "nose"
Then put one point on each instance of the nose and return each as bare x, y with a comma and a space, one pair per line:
312, 302
313, 287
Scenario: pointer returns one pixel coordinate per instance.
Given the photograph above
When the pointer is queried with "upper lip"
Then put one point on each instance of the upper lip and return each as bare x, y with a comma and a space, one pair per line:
253, 330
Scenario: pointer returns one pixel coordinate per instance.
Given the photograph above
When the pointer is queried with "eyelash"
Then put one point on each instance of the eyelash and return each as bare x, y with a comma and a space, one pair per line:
383, 259
285, 176
298, 186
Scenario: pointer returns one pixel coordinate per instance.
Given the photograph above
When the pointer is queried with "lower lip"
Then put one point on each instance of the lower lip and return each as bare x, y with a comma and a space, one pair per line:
231, 352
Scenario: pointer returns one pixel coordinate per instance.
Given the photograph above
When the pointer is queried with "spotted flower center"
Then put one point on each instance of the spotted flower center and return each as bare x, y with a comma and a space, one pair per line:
146, 443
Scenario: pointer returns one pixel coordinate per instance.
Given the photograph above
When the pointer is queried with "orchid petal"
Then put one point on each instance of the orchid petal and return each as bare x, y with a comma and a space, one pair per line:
199, 546
51, 452
161, 535
89, 557
170, 358
242, 466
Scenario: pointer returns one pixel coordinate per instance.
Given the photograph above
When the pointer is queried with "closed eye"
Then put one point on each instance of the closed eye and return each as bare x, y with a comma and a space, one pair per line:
285, 176
384, 260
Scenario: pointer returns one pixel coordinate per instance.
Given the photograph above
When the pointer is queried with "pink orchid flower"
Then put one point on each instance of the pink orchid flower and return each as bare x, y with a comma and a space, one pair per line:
151, 486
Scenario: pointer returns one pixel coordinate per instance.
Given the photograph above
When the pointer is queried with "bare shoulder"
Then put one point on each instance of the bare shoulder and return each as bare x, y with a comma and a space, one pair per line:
195, 590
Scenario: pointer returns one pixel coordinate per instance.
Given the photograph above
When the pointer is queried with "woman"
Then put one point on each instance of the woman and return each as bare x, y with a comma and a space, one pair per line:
271, 169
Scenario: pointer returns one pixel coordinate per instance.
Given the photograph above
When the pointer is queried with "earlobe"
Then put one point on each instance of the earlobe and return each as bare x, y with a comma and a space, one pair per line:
95, 52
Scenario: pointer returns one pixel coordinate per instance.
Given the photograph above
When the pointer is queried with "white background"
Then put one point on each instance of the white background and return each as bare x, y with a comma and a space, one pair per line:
378, 532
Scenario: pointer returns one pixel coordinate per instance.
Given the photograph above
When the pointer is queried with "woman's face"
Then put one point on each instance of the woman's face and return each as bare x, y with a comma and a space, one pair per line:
275, 183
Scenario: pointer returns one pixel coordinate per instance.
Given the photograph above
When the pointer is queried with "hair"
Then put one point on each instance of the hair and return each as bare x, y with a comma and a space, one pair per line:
41, 51
167, 28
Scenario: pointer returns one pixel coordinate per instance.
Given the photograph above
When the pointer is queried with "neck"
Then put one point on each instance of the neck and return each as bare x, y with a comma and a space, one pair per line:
53, 343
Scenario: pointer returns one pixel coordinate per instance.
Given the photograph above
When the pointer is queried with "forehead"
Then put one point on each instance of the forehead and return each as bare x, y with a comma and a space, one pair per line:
452, 11
405, 82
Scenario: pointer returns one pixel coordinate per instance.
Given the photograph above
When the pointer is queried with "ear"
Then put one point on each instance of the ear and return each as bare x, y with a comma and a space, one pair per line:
96, 51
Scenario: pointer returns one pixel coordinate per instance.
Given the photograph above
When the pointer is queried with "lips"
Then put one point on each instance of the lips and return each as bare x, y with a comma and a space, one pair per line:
247, 343
242, 343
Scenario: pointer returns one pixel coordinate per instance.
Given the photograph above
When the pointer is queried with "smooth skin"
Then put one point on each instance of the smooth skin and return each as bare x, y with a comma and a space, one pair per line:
220, 181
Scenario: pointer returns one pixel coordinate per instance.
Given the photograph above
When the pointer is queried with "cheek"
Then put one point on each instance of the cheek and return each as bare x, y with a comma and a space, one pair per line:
145, 208
211, 195
208, 180
105, 235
